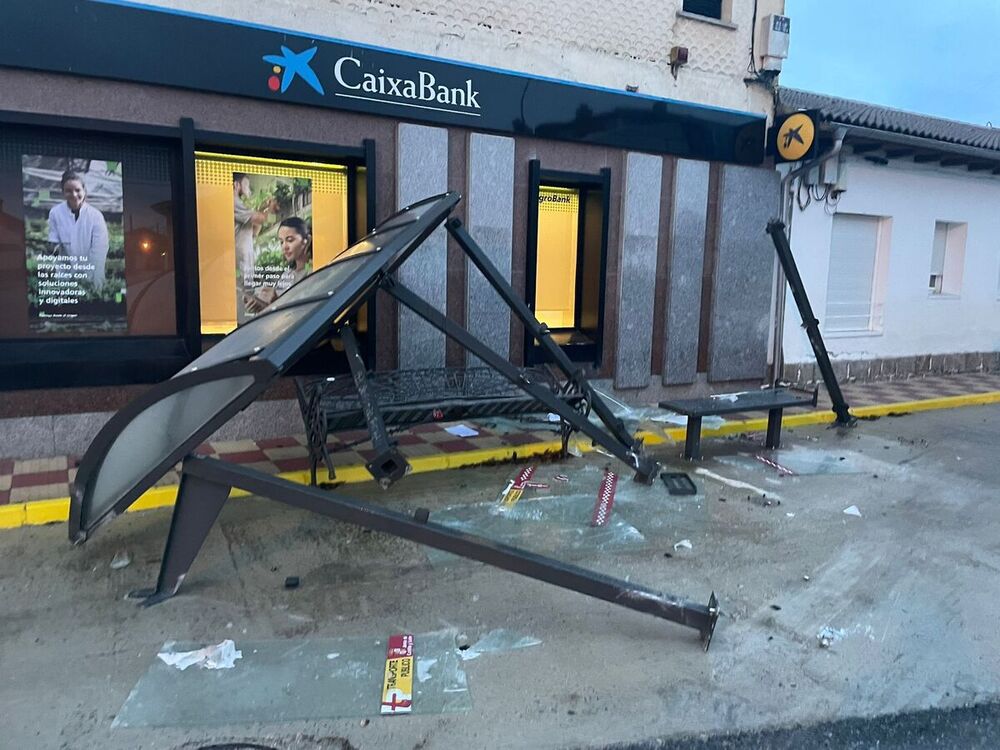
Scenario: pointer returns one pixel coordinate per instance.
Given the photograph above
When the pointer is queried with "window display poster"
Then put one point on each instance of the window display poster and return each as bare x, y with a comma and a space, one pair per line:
272, 224
74, 244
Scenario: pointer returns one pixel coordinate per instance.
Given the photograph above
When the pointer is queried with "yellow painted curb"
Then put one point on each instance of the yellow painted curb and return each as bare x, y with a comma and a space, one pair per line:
40, 512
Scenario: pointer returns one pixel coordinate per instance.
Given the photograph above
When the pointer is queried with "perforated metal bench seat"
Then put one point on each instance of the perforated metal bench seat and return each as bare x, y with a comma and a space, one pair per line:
411, 397
771, 400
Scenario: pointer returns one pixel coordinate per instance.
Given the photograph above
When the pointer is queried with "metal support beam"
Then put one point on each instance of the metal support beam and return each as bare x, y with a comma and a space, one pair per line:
777, 231
198, 504
214, 478
539, 331
646, 469
388, 465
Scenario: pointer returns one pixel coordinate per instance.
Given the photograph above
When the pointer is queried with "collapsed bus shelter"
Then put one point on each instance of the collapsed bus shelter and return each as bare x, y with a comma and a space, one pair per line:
165, 425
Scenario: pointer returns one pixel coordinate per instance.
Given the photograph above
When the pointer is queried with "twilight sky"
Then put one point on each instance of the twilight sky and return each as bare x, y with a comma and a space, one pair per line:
940, 58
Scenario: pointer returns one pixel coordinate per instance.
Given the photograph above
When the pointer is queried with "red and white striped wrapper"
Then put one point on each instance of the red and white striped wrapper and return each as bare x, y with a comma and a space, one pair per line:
605, 499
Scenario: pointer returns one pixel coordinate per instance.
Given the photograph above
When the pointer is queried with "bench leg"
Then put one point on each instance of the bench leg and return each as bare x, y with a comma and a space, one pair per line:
692, 439
773, 439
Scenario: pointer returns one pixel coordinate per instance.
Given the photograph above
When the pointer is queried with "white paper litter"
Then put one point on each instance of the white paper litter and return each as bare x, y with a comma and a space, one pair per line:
731, 397
424, 668
683, 544
553, 417
852, 511
827, 636
461, 430
220, 656
120, 560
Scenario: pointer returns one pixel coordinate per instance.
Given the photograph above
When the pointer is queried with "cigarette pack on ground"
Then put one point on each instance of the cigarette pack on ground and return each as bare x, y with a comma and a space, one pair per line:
397, 686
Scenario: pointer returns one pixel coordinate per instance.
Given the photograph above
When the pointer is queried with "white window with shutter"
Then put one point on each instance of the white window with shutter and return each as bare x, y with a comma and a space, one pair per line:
851, 303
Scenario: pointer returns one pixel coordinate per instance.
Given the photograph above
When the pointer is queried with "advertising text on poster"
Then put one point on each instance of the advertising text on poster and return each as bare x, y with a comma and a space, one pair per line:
74, 244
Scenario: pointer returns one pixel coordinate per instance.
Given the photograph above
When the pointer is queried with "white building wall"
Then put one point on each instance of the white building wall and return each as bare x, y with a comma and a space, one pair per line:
915, 322
599, 42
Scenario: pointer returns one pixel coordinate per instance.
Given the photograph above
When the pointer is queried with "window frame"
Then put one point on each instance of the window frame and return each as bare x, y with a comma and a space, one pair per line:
590, 352
51, 362
698, 14
879, 285
66, 361
954, 232
351, 157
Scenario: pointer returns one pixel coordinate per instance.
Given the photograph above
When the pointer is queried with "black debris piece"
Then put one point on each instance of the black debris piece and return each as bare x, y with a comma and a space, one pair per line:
678, 483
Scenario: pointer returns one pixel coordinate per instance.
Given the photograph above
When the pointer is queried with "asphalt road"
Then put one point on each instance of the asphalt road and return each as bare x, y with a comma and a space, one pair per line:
969, 728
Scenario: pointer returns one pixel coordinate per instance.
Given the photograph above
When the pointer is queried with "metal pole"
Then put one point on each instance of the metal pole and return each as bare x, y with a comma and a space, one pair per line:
222, 475
777, 231
388, 465
784, 215
646, 469
538, 330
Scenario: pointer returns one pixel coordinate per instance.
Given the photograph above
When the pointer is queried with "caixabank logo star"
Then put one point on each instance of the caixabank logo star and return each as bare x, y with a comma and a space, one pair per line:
291, 65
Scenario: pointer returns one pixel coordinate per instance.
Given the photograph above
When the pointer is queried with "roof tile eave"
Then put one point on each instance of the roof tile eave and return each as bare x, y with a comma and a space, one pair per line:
889, 119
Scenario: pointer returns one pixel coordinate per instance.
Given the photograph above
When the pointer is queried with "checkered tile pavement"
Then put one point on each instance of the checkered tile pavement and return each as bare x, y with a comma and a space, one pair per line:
899, 391
47, 478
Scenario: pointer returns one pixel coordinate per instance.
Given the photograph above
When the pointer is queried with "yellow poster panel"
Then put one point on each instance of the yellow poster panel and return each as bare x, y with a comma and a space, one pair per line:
217, 266
555, 268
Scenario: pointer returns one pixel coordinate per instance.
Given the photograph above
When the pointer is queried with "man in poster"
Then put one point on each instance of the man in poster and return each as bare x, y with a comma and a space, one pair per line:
248, 222
77, 229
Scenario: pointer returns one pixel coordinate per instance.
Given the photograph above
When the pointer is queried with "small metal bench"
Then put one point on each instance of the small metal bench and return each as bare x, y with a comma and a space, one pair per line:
771, 400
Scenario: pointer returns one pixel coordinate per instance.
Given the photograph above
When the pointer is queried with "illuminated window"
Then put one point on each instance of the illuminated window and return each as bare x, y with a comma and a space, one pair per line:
567, 249
263, 225
555, 265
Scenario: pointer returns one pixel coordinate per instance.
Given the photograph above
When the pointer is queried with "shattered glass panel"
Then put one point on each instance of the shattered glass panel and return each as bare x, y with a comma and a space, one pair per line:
292, 680
555, 520
556, 526
804, 460
498, 641
651, 418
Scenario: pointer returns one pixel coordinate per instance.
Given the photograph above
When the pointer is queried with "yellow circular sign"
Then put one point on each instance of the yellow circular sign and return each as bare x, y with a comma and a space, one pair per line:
795, 136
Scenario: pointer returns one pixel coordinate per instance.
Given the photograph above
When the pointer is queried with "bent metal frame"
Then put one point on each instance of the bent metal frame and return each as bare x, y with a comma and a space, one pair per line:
166, 424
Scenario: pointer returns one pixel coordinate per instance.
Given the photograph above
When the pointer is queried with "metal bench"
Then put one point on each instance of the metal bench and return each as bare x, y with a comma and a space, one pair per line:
410, 397
771, 400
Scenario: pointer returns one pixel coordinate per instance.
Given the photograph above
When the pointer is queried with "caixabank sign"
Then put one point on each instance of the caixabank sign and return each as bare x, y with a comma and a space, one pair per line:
122, 41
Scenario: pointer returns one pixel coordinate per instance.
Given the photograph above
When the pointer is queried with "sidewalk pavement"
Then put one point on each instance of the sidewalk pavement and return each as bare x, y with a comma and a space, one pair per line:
430, 447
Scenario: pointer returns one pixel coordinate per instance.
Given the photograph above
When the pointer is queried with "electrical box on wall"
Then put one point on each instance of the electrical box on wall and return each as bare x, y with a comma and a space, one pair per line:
776, 35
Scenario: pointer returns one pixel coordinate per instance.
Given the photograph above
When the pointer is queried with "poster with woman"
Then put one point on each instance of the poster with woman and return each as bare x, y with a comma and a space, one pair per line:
74, 244
272, 216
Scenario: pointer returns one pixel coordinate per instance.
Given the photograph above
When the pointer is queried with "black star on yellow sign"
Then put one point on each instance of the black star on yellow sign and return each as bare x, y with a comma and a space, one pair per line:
796, 134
